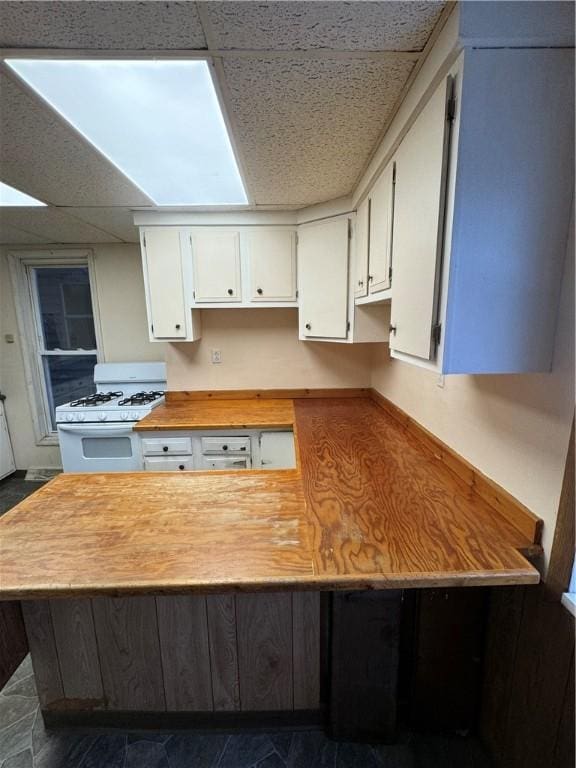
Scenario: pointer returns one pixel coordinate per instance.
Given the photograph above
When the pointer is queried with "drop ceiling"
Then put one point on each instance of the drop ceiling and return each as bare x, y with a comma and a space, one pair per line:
308, 88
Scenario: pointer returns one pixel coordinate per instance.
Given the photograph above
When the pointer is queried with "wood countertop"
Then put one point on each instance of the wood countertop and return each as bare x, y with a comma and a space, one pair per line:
220, 414
367, 508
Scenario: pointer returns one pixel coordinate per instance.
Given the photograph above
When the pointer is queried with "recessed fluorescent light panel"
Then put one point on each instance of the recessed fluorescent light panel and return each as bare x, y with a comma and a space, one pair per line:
158, 121
13, 197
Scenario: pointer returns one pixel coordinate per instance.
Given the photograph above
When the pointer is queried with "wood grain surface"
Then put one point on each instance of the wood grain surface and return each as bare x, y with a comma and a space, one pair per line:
368, 508
497, 497
219, 414
42, 643
224, 652
75, 637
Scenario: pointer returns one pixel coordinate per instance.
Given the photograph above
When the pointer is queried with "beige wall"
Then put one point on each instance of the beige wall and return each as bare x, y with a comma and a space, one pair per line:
260, 350
120, 291
515, 429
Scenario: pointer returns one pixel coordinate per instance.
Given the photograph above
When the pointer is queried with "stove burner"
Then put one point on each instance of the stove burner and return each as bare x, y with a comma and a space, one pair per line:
141, 398
99, 398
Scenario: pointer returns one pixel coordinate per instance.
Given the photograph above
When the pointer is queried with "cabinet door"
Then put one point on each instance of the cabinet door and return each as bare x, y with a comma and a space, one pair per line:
361, 250
380, 240
323, 277
216, 260
7, 465
164, 278
277, 450
272, 265
418, 220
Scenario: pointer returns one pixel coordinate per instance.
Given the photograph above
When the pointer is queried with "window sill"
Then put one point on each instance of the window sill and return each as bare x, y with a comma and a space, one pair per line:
569, 602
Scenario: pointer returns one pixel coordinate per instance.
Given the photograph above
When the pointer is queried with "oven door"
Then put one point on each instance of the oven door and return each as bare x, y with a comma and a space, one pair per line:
99, 448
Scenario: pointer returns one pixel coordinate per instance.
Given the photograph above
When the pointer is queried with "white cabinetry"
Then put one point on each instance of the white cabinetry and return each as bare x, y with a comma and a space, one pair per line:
418, 225
216, 260
7, 465
380, 238
277, 450
272, 260
361, 250
168, 286
323, 279
480, 294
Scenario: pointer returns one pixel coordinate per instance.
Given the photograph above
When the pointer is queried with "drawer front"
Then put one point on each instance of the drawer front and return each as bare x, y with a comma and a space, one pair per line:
225, 462
156, 446
225, 445
173, 464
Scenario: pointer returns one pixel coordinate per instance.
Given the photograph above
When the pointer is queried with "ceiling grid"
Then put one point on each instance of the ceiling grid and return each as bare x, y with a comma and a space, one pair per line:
307, 88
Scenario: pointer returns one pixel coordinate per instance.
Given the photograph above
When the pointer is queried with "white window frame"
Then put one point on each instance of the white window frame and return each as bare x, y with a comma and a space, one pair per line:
31, 334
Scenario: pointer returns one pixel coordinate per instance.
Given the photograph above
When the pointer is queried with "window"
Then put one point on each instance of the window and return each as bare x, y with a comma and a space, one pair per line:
56, 317
159, 121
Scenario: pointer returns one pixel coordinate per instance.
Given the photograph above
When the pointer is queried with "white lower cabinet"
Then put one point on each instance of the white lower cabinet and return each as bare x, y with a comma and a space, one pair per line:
187, 450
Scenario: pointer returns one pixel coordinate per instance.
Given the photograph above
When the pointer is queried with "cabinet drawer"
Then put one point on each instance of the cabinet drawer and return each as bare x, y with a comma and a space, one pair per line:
161, 464
156, 446
225, 445
225, 462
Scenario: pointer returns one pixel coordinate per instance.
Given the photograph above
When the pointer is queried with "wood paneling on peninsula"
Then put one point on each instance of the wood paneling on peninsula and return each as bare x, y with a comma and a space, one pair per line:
195, 654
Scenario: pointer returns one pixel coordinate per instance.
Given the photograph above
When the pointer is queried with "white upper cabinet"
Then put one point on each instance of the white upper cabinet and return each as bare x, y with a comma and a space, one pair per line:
272, 262
418, 218
166, 280
216, 263
361, 249
380, 237
478, 267
323, 279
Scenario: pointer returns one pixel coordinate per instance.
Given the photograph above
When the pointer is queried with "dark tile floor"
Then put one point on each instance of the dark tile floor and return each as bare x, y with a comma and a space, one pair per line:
25, 743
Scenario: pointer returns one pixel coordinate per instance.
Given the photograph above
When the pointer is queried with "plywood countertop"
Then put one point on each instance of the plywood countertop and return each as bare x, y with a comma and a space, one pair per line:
220, 414
367, 508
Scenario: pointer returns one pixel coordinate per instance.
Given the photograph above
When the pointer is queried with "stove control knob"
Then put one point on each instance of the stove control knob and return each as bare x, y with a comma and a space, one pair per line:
125, 416
69, 417
80, 417
102, 417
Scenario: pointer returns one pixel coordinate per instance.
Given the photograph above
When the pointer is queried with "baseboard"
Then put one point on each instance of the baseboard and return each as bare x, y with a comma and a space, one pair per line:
517, 514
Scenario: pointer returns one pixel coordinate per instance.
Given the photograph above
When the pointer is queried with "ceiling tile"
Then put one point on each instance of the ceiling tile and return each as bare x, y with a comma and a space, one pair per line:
100, 25
288, 26
52, 225
10, 235
42, 156
116, 221
305, 129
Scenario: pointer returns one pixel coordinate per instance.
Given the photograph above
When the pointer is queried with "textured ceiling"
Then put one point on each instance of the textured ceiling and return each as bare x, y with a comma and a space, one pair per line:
308, 88
310, 126
94, 25
353, 26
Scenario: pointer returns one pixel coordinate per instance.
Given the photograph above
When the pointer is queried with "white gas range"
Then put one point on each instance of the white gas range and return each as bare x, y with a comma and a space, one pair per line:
96, 432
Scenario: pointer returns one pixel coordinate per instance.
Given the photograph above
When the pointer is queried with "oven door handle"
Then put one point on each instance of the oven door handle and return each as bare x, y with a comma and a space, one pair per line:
95, 430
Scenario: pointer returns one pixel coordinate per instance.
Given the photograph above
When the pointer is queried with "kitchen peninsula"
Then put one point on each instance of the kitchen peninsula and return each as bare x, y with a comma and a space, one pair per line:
203, 598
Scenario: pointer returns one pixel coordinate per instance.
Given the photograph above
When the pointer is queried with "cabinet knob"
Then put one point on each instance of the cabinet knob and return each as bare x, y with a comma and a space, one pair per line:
259, 291
224, 447
177, 326
360, 282
181, 466
230, 292
308, 327
165, 448
393, 329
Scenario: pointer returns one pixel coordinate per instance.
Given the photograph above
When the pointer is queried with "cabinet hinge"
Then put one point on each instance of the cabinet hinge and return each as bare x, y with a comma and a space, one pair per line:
348, 325
437, 333
349, 230
297, 294
144, 239
394, 173
389, 273
451, 109
193, 294
296, 233
152, 328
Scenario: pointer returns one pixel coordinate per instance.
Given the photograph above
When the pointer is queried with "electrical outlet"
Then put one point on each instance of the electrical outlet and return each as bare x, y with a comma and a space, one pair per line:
215, 356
